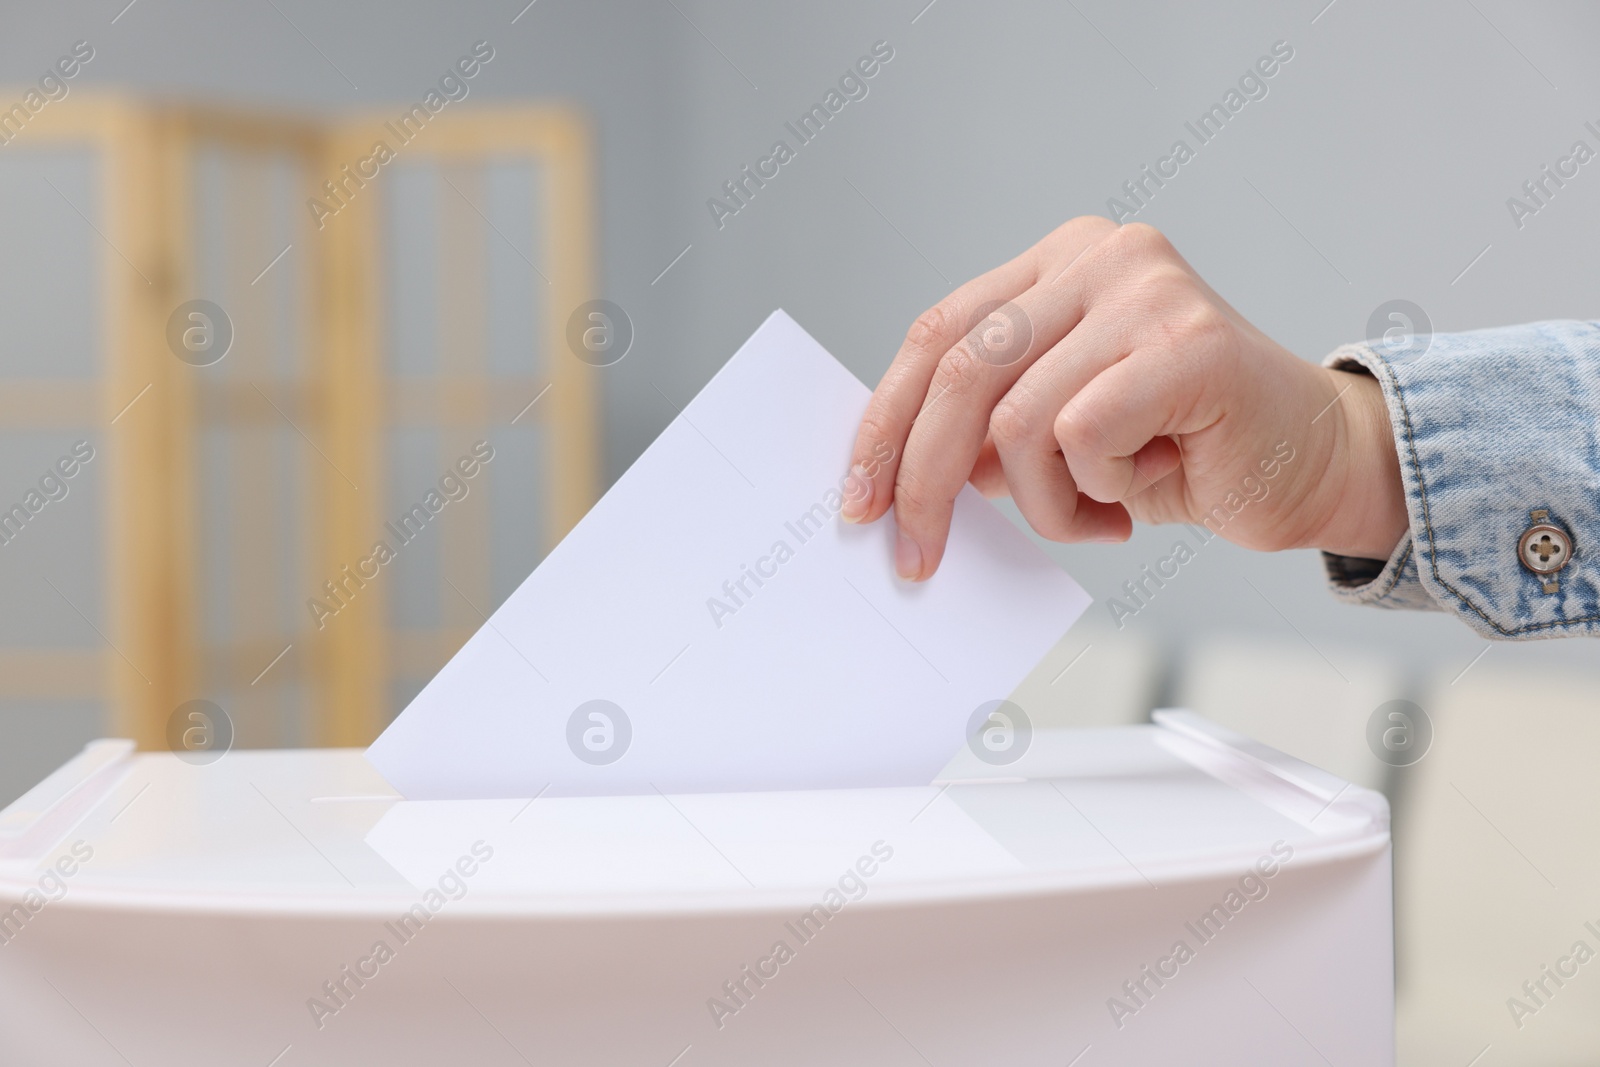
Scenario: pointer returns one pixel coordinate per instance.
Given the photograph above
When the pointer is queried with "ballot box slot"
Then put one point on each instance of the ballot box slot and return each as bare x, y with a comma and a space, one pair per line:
1317, 800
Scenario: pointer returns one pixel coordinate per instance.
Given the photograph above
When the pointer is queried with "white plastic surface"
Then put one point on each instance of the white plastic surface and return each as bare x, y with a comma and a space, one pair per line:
233, 913
315, 831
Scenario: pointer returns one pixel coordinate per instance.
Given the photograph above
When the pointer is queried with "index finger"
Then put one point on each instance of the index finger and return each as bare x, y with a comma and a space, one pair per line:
900, 395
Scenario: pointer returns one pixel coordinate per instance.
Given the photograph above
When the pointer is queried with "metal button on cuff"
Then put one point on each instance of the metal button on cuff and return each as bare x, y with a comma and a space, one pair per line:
1544, 548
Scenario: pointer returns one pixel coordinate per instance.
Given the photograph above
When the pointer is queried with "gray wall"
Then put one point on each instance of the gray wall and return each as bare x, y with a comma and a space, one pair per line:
1390, 142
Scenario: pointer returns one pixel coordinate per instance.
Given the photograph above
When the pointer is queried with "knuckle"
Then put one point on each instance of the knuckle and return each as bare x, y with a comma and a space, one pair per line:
1093, 227
1170, 279
1093, 224
1011, 425
911, 496
1143, 238
1199, 326
874, 438
1075, 431
935, 329
1134, 242
959, 372
1138, 274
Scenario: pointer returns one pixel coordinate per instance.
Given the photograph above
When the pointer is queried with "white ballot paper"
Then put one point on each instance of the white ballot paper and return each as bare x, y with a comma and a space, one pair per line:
713, 625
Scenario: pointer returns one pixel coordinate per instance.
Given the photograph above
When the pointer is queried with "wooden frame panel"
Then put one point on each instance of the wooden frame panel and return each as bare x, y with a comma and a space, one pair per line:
145, 157
361, 398
150, 593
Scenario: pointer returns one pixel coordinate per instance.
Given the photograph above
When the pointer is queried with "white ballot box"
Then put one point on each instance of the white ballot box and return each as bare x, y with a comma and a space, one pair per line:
1166, 893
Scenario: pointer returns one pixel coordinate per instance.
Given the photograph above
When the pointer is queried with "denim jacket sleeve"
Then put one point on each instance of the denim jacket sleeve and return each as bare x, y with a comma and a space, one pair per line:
1498, 433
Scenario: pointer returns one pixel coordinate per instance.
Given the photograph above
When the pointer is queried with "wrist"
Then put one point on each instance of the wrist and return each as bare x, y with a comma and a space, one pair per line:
1369, 516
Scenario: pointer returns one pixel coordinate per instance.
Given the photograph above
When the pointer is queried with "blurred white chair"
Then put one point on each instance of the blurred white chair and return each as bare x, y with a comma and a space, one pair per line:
1095, 676
1287, 695
1498, 870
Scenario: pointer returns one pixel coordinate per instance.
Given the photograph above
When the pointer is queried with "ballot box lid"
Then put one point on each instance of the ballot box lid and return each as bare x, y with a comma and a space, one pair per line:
313, 832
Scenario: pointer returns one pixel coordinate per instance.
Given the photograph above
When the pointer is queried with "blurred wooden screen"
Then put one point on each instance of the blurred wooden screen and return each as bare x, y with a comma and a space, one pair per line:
372, 351
479, 236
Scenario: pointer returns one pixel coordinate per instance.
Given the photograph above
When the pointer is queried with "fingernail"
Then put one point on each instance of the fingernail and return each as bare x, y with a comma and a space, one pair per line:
907, 558
857, 495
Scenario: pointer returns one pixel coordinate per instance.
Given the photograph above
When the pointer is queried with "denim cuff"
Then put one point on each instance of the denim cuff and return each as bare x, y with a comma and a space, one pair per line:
1380, 584
1498, 432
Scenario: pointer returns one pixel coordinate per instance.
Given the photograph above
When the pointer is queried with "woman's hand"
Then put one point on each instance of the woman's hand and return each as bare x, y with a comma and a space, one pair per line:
1097, 379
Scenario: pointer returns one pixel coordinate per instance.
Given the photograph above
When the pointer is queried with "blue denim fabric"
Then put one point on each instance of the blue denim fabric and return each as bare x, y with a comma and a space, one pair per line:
1489, 425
